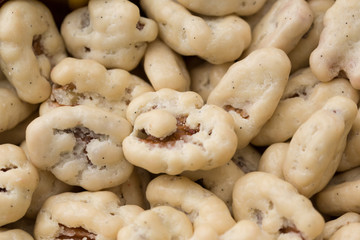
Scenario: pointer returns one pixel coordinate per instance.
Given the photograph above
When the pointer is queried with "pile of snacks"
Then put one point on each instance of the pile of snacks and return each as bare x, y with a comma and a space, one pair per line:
186, 119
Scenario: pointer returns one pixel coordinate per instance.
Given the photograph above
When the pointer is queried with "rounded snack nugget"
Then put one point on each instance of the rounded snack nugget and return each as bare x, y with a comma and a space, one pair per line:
175, 132
272, 160
30, 46
97, 32
348, 232
276, 206
251, 89
81, 146
87, 82
18, 181
206, 37
84, 215
334, 225
316, 148
14, 234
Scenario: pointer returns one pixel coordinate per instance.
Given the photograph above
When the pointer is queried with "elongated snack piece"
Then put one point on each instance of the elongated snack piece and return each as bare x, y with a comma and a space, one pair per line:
273, 158
18, 181
175, 132
92, 32
26, 61
81, 146
251, 89
276, 206
80, 215
337, 52
87, 82
350, 232
206, 37
14, 234
333, 226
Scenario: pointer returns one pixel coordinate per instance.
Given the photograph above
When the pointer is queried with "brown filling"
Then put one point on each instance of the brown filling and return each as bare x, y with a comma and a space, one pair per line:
3, 189
77, 233
240, 111
5, 169
291, 228
140, 25
57, 96
37, 46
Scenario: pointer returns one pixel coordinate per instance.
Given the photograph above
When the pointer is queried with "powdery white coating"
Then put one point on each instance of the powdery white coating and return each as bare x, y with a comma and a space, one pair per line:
350, 232
95, 215
338, 53
26, 61
276, 206
97, 32
165, 68
87, 82
282, 26
304, 94
206, 37
251, 89
273, 158
18, 181
14, 234
81, 146
333, 226
316, 148
222, 8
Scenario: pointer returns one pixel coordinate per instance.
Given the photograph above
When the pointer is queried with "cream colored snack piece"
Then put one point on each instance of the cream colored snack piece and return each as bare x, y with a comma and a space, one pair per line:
87, 82
165, 68
81, 146
98, 32
273, 158
334, 225
316, 148
349, 232
18, 181
175, 132
337, 52
206, 37
299, 56
341, 195
90, 215
251, 89
253, 20
247, 159
201, 206
276, 206
304, 94
30, 46
14, 234
222, 8
282, 27
206, 76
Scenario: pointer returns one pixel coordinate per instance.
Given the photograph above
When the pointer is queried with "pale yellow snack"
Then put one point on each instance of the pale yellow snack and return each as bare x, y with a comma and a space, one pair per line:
165, 68
206, 37
247, 158
251, 89
299, 56
200, 205
276, 206
97, 32
316, 148
304, 94
282, 26
333, 226
90, 215
348, 232
18, 181
337, 52
81, 146
87, 82
273, 158
30, 46
222, 8
206, 76
341, 195
14, 234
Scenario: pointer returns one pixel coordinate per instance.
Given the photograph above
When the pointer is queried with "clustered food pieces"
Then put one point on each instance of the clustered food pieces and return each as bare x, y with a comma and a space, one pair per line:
188, 120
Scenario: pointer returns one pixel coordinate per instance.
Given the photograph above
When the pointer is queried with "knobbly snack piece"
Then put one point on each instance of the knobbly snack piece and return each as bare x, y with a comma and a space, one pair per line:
97, 32
206, 37
201, 206
14, 234
216, 8
251, 89
247, 159
350, 232
81, 146
299, 56
273, 158
282, 27
334, 225
87, 82
276, 206
316, 148
84, 215
18, 181
337, 52
341, 195
304, 94
165, 68
175, 132
30, 46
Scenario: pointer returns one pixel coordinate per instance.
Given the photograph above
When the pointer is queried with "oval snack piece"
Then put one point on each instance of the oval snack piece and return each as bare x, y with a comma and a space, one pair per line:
81, 146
